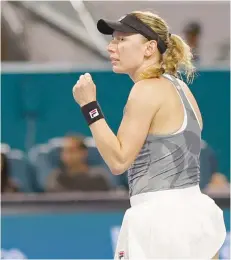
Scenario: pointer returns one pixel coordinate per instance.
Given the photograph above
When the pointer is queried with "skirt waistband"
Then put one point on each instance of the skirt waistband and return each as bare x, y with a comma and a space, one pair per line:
143, 197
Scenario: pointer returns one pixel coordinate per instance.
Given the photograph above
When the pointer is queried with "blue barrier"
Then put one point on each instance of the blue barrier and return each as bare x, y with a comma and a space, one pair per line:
68, 235
61, 236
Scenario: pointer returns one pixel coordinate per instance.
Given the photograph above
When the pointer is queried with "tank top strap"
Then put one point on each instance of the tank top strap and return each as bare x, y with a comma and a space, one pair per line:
193, 121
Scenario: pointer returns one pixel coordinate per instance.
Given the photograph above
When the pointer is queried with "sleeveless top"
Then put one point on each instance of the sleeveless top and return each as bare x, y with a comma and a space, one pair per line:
169, 161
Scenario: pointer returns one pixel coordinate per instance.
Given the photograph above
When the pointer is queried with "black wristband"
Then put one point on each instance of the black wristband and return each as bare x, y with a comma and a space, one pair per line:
92, 112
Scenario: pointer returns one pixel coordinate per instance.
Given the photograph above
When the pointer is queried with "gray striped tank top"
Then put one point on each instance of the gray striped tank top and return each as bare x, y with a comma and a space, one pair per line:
169, 161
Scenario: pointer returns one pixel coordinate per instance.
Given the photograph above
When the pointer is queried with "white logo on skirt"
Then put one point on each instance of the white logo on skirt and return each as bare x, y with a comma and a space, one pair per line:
121, 255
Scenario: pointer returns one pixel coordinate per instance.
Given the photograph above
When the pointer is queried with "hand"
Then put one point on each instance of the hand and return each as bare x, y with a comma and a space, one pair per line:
84, 90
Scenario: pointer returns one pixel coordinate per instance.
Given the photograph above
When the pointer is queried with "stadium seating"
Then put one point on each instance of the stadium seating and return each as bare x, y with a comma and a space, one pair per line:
20, 169
45, 159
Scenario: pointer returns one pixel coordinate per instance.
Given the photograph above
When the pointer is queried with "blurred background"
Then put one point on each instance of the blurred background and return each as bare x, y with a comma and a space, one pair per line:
59, 199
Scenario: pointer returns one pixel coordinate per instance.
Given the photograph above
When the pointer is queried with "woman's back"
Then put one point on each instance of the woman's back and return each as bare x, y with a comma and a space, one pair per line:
170, 116
169, 158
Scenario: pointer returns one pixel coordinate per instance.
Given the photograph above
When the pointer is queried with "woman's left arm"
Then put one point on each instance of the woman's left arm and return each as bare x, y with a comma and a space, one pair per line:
120, 151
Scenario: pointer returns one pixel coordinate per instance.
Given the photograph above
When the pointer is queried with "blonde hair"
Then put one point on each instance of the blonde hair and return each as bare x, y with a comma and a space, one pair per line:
178, 56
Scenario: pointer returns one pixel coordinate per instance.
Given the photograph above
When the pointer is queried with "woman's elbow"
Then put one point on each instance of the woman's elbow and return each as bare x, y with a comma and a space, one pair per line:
117, 169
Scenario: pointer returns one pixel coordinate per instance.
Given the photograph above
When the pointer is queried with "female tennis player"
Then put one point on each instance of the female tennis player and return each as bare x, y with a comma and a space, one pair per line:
158, 142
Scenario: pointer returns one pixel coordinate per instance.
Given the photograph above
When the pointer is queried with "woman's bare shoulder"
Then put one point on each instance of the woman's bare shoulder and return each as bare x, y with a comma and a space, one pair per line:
148, 90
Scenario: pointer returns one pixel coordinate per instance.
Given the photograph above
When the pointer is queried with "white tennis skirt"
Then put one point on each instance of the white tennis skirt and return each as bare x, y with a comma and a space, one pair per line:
171, 224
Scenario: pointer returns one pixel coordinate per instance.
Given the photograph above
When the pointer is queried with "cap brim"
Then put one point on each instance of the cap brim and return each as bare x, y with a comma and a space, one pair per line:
108, 27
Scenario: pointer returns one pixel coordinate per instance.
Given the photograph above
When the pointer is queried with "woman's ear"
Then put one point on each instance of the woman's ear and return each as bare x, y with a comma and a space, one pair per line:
151, 48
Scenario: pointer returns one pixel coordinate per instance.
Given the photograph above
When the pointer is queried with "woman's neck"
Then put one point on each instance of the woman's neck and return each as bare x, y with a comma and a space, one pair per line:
136, 75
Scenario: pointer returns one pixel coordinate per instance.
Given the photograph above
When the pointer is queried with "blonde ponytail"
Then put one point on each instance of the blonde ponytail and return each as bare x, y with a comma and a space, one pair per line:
177, 59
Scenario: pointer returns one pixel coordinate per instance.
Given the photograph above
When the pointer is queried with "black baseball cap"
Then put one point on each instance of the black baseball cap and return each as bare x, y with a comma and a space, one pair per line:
131, 24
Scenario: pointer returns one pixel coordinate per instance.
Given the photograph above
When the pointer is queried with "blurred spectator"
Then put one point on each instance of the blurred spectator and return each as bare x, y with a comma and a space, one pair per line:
7, 185
208, 164
210, 178
192, 33
3, 44
223, 52
74, 174
218, 183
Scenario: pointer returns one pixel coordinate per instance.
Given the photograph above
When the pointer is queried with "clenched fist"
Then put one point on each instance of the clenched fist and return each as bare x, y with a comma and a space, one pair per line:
84, 90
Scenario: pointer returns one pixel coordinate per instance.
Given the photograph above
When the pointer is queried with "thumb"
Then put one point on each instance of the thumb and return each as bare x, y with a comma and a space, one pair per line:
88, 77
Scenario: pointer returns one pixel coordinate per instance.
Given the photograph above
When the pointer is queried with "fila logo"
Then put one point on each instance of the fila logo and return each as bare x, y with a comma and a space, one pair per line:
94, 113
121, 255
